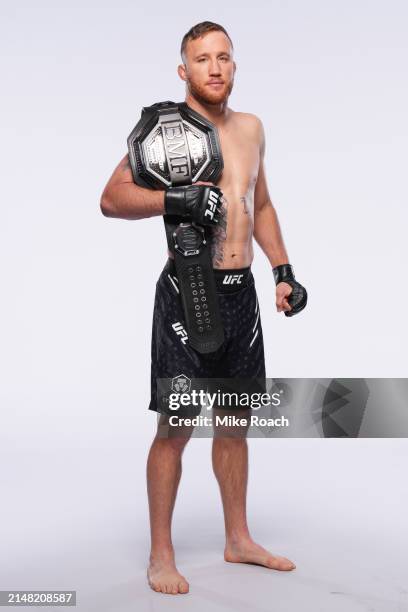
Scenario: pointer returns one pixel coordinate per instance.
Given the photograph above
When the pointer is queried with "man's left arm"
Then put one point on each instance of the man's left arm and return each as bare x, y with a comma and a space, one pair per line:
267, 230
268, 235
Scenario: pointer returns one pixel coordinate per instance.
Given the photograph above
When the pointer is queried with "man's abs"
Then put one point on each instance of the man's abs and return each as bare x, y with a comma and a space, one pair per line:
231, 243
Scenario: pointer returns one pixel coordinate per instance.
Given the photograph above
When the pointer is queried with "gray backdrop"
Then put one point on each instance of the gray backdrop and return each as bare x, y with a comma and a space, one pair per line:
328, 79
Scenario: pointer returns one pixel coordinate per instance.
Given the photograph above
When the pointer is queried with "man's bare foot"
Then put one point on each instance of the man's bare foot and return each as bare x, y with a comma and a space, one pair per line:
247, 551
163, 576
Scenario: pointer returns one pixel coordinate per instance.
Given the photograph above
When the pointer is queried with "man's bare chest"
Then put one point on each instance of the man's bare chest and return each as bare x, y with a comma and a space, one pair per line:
241, 161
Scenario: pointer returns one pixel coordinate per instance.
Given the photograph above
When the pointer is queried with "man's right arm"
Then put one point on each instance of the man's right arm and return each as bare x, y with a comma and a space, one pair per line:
123, 199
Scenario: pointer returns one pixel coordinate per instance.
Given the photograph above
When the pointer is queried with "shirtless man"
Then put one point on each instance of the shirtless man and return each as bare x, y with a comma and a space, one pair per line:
208, 70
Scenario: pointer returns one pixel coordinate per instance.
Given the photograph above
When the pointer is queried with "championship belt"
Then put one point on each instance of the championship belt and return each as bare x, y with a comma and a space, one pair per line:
174, 146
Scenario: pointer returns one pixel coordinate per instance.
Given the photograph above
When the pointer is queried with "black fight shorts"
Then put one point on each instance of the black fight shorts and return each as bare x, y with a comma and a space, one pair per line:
240, 356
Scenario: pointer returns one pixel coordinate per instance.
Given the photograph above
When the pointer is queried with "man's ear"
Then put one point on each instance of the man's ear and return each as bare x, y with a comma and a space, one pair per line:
181, 69
235, 66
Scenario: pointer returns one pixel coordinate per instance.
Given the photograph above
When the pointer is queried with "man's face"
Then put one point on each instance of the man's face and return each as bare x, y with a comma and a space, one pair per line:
209, 68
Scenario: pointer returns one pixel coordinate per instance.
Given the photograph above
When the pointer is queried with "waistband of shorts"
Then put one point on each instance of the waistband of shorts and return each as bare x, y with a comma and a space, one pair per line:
227, 280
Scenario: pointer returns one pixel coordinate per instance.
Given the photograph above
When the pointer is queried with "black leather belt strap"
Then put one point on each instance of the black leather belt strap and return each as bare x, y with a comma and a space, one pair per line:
198, 290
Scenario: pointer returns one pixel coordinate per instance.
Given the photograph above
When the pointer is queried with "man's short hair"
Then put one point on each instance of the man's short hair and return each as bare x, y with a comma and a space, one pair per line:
199, 30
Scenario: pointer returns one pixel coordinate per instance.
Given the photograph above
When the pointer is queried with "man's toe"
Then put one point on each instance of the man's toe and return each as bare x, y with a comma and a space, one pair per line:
286, 564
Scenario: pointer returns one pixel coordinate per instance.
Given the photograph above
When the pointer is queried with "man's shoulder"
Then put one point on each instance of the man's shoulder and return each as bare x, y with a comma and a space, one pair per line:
249, 121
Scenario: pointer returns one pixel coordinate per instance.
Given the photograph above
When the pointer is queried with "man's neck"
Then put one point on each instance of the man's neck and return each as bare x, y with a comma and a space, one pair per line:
216, 113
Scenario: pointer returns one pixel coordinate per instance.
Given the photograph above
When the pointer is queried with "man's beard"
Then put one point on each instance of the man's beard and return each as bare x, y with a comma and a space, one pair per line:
206, 96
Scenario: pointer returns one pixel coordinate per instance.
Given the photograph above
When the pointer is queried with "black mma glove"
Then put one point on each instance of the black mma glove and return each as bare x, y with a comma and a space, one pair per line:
298, 298
201, 203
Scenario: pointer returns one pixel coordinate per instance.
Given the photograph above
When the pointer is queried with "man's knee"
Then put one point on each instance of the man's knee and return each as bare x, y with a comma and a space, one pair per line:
176, 445
172, 437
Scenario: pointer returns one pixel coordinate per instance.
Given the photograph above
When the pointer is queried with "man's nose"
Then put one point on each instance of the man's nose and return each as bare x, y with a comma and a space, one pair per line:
215, 68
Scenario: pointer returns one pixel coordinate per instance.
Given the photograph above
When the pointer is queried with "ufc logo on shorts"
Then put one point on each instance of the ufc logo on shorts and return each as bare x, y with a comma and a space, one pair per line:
211, 204
180, 331
232, 279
